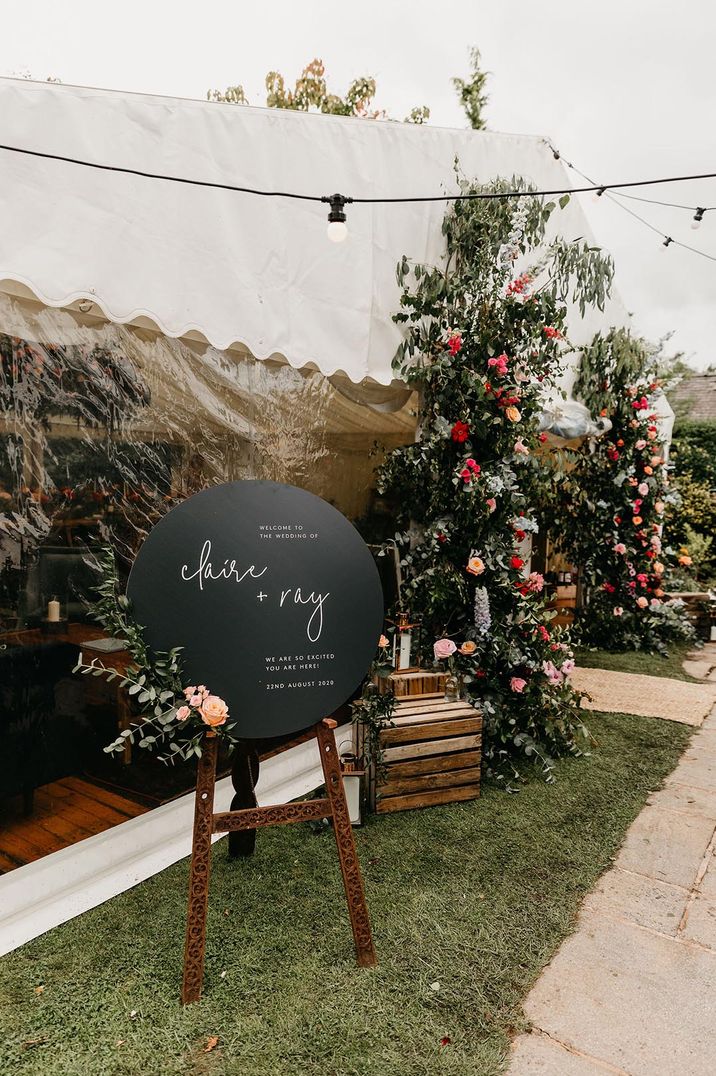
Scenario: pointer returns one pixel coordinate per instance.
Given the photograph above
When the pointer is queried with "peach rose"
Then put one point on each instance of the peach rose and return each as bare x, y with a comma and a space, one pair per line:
658, 568
383, 642
642, 602
659, 506
468, 647
182, 713
475, 566
685, 560
637, 521
214, 711
512, 413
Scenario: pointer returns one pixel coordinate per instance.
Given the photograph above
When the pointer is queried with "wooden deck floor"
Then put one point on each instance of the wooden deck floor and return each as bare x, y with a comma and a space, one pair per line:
65, 812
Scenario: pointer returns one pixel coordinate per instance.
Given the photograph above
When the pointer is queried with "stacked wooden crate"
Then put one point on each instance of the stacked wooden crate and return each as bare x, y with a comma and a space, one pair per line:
413, 682
431, 754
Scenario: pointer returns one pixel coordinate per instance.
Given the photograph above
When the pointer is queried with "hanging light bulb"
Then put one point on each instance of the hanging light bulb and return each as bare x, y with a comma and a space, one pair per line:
698, 217
598, 194
667, 241
337, 229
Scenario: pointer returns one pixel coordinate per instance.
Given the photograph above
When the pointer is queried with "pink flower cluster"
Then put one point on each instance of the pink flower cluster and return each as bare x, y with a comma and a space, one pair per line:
212, 710
557, 675
499, 364
470, 470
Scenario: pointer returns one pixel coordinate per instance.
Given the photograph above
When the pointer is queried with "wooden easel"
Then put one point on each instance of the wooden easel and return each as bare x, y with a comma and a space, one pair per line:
206, 822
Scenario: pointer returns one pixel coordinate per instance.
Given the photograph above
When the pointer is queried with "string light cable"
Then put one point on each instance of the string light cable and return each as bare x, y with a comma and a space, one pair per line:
337, 229
615, 198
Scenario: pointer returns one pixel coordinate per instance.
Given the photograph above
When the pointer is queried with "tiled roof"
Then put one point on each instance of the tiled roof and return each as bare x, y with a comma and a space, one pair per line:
694, 398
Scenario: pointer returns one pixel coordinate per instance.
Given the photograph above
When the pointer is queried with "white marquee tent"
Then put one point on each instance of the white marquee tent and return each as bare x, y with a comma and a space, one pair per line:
235, 276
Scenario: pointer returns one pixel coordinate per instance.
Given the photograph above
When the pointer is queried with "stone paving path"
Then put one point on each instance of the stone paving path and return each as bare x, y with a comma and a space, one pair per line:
633, 991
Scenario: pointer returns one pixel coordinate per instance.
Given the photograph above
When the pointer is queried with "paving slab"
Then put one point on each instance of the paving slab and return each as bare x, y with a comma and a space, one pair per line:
643, 901
635, 1000
708, 883
701, 801
696, 768
535, 1055
648, 696
704, 740
666, 845
701, 924
710, 722
699, 669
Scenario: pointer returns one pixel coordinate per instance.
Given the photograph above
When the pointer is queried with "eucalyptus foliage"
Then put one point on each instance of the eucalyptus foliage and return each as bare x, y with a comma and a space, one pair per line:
153, 680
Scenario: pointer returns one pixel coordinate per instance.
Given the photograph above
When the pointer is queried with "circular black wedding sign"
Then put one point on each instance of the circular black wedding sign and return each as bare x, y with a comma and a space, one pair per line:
273, 595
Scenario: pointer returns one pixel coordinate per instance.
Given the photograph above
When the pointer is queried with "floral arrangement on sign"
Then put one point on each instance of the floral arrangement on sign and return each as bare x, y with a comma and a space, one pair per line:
485, 338
173, 717
611, 503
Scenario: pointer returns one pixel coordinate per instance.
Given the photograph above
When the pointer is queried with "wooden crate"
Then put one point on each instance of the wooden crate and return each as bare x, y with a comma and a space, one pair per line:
431, 755
416, 682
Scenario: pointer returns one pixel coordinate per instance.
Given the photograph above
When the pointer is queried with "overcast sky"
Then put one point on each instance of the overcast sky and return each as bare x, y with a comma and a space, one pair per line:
625, 89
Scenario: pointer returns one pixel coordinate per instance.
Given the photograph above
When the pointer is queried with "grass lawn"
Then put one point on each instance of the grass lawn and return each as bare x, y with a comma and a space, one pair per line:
637, 661
468, 903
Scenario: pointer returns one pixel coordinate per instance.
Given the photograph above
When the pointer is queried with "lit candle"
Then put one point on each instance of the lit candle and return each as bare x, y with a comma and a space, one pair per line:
53, 611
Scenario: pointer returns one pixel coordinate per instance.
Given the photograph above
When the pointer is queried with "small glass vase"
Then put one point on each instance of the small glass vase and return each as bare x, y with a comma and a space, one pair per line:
452, 688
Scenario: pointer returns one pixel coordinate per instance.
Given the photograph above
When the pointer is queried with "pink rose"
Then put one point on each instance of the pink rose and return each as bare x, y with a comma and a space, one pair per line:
620, 548
444, 648
640, 444
182, 713
189, 691
214, 711
491, 503
644, 489
195, 700
618, 610
521, 447
518, 684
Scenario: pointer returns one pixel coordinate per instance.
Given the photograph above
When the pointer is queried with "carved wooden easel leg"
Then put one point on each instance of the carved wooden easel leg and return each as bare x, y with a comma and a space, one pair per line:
244, 775
200, 870
343, 832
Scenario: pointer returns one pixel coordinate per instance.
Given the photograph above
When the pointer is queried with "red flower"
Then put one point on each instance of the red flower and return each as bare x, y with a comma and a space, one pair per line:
441, 537
543, 437
454, 343
445, 1040
609, 587
551, 334
460, 432
612, 454
517, 563
520, 536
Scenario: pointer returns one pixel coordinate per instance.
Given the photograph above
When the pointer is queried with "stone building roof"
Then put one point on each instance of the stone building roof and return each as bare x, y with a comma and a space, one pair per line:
694, 398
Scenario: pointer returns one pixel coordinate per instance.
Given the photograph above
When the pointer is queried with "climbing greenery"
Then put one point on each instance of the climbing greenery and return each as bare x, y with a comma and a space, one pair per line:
609, 501
485, 337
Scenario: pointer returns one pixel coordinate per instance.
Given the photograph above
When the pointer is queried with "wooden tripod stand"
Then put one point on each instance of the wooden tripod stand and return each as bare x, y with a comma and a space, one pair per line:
206, 822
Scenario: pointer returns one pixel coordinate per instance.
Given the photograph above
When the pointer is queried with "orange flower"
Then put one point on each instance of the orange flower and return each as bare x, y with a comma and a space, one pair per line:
383, 642
637, 521
214, 711
467, 648
648, 470
658, 568
475, 566
685, 560
513, 414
